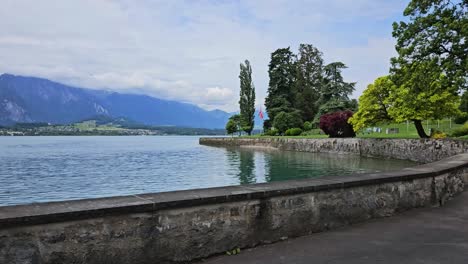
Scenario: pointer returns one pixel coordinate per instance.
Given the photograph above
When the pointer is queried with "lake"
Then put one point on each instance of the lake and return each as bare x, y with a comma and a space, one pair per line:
42, 169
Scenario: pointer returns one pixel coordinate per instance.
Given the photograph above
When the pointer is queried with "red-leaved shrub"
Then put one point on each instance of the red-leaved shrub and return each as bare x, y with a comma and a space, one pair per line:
336, 124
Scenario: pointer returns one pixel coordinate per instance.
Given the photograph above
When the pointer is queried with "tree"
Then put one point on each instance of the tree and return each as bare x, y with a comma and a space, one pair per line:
373, 104
336, 124
437, 31
281, 71
309, 79
423, 91
234, 124
335, 91
231, 127
247, 97
284, 121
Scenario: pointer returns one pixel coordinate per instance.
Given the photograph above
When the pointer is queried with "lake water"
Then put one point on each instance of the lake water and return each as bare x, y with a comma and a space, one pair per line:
41, 169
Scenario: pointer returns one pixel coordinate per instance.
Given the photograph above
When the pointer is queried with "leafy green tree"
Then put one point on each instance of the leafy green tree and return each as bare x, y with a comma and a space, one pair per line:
437, 31
247, 97
373, 104
234, 124
423, 92
309, 79
281, 71
231, 127
286, 120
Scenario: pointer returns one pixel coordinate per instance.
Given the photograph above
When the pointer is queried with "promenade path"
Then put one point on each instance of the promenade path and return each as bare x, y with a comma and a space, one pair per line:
428, 235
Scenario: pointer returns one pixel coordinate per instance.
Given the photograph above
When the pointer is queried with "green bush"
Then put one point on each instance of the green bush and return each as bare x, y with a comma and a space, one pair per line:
293, 132
271, 132
461, 131
284, 121
308, 126
461, 119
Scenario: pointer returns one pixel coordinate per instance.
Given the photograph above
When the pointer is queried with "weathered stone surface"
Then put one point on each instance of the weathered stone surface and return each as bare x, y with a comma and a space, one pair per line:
419, 150
182, 226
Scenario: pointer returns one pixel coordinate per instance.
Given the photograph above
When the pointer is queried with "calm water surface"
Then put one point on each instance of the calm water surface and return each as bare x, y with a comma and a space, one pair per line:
40, 169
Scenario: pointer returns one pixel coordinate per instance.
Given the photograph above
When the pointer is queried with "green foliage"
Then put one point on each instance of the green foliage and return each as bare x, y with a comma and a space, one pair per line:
424, 93
234, 124
461, 131
283, 121
281, 71
293, 132
309, 80
308, 126
437, 30
461, 118
247, 98
373, 104
231, 127
271, 132
464, 102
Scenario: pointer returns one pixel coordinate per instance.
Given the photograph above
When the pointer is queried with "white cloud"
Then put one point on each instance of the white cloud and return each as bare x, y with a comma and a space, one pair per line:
188, 50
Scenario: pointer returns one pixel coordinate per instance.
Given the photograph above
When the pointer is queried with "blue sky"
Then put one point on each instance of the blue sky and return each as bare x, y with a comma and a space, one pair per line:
189, 50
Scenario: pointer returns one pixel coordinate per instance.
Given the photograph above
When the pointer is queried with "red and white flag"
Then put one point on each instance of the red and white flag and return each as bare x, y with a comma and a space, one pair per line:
260, 113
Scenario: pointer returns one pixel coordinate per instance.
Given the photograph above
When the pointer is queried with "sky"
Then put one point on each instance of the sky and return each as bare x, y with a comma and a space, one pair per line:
190, 51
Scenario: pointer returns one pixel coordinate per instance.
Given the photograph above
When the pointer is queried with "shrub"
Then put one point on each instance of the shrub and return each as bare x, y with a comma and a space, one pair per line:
308, 126
461, 119
266, 124
293, 132
436, 134
284, 121
461, 131
336, 124
271, 132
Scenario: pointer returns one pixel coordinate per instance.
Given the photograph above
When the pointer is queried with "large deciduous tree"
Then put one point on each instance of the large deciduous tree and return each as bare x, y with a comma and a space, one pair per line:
423, 92
373, 104
247, 97
437, 31
281, 71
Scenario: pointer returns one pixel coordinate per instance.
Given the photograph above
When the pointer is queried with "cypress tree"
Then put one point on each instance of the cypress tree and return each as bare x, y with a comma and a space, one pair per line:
247, 97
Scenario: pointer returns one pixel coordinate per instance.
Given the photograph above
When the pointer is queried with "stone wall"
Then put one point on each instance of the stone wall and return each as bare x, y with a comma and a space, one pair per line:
177, 227
419, 150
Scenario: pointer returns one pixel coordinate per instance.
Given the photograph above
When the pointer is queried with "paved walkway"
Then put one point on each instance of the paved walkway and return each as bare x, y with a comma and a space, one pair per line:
429, 235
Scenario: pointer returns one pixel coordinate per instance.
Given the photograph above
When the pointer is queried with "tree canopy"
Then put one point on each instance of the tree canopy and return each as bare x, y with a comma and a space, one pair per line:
247, 98
437, 31
373, 104
303, 85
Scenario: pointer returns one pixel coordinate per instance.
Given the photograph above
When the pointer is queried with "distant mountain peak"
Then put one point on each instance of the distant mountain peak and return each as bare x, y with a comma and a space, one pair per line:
33, 99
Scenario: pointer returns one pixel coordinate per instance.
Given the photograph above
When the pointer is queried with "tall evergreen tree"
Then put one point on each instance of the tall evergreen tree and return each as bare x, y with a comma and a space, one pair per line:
247, 97
281, 71
335, 91
309, 80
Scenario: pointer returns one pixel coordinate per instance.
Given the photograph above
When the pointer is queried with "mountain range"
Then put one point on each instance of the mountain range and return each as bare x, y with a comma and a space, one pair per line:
31, 99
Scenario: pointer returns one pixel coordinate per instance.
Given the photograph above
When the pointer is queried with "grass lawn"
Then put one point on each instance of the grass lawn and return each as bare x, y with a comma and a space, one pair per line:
405, 130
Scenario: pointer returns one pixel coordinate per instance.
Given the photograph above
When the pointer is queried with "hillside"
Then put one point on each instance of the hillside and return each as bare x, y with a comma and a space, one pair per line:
30, 99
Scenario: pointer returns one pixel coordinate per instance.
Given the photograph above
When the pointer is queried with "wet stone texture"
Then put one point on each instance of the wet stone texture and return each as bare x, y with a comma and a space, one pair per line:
185, 233
419, 150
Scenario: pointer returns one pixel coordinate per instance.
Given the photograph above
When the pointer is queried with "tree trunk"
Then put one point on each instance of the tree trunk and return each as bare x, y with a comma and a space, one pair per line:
420, 129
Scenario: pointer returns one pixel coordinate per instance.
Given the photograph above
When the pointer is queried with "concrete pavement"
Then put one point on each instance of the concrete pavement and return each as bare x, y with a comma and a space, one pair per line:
428, 235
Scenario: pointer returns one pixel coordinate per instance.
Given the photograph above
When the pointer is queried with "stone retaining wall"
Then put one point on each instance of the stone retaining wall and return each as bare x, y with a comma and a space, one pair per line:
177, 227
419, 150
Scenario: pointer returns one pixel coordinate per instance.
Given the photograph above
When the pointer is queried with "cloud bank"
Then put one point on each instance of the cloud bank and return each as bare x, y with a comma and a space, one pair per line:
189, 50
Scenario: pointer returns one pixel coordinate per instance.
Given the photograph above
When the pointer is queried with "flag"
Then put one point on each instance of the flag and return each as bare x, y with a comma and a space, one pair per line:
260, 114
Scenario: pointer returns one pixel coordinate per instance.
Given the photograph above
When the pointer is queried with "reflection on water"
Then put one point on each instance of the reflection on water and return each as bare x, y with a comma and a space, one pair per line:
40, 169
